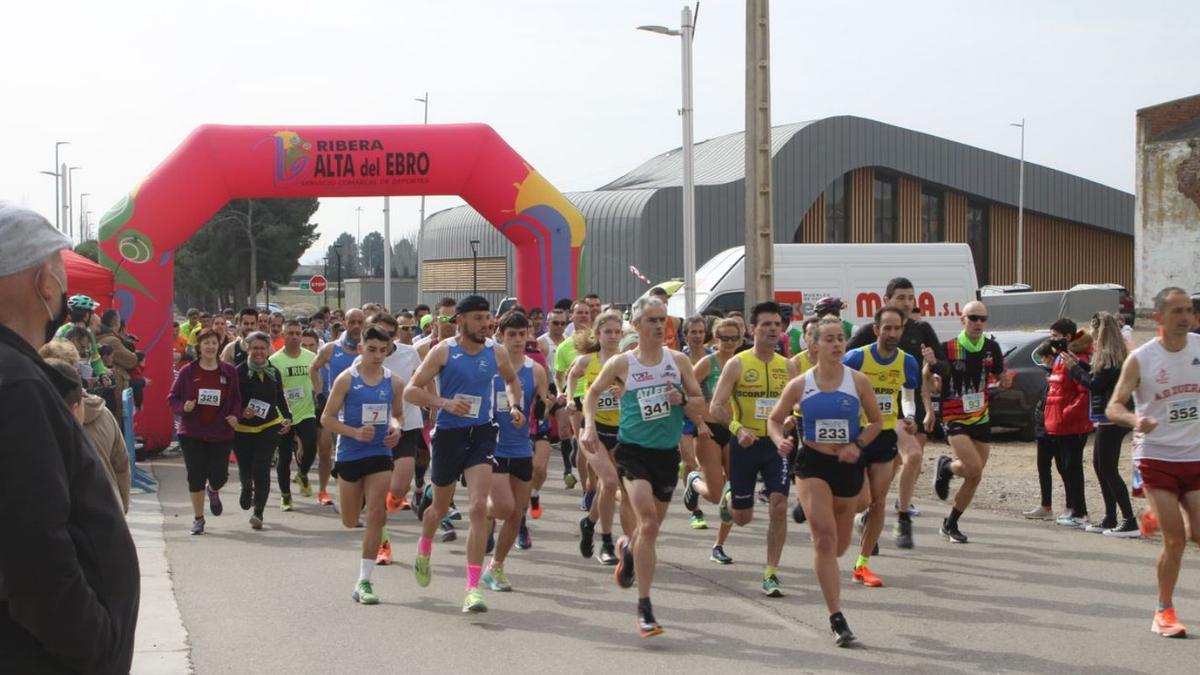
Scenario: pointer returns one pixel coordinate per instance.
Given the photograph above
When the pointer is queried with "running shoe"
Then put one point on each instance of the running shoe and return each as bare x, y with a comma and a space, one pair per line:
860, 522
771, 587
424, 502
453, 513
384, 557
587, 531
951, 533
1148, 523
246, 501
364, 594
941, 478
1074, 522
1102, 526
691, 498
448, 533
1166, 625
524, 541
494, 578
214, 501
474, 602
1128, 528
698, 522
625, 572
863, 575
718, 556
723, 507
913, 511
842, 635
256, 520
762, 496
585, 504
1039, 513
798, 515
904, 537
647, 626
305, 486
325, 499
198, 525
421, 570
606, 556
569, 480
285, 502
393, 504
535, 506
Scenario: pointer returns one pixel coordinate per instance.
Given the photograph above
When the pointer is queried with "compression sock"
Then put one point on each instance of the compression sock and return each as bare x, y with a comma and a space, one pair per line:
366, 566
952, 521
473, 572
862, 561
424, 546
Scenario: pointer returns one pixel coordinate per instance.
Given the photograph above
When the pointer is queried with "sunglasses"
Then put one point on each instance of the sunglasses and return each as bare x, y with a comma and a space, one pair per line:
728, 338
406, 327
558, 323
981, 318
445, 319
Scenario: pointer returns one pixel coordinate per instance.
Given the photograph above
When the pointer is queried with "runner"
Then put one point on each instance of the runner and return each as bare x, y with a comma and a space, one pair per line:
1163, 376
892, 373
235, 352
406, 327
465, 436
263, 420
559, 417
803, 362
514, 449
658, 384
293, 362
712, 451
334, 358
746, 392
364, 410
973, 358
696, 338
832, 399
564, 356
206, 398
276, 322
442, 327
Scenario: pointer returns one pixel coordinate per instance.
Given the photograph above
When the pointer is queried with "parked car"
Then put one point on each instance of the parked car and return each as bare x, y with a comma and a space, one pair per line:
1004, 289
1128, 312
1013, 407
269, 307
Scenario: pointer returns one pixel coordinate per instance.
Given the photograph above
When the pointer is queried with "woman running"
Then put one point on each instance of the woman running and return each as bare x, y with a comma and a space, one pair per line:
696, 337
264, 417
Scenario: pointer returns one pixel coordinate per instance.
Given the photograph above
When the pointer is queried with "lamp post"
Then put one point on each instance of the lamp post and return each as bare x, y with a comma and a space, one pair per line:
337, 250
325, 273
57, 176
83, 216
474, 266
71, 198
686, 31
425, 102
1021, 207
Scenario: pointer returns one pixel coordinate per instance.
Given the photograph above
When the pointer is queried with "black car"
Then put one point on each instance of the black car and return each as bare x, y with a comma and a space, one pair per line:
1013, 407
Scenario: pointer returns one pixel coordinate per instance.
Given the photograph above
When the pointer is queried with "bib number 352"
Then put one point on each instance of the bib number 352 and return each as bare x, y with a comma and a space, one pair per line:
1186, 411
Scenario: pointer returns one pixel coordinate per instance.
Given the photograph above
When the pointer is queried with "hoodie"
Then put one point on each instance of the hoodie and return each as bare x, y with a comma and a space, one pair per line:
1068, 402
102, 429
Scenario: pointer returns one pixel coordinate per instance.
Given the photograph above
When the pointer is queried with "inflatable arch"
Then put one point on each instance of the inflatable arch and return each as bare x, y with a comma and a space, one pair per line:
216, 164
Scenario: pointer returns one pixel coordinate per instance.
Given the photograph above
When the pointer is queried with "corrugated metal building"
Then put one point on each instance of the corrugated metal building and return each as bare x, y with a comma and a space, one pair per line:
839, 179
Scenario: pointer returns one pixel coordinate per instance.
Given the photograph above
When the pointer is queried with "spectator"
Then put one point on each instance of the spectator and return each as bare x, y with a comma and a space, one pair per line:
123, 360
1046, 452
1067, 410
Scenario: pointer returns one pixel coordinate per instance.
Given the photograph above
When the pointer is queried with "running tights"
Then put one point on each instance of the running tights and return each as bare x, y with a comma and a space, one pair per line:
254, 452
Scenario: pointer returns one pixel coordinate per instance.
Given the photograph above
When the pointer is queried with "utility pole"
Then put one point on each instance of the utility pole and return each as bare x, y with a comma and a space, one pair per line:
424, 101
71, 200
760, 230
1021, 208
83, 234
387, 253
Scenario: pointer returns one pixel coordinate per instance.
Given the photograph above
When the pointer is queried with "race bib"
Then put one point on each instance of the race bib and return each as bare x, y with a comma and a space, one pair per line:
833, 431
1182, 412
209, 397
475, 401
502, 401
653, 405
607, 402
294, 393
887, 404
973, 403
374, 413
259, 408
763, 407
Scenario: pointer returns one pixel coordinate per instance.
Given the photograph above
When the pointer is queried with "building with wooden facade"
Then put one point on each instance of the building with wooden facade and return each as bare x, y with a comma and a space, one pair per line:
840, 179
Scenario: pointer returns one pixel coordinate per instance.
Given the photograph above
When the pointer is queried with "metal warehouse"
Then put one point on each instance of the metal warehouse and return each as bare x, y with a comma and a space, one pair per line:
839, 179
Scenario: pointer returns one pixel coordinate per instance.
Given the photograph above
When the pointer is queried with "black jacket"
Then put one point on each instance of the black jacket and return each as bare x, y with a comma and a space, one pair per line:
1100, 382
267, 390
69, 579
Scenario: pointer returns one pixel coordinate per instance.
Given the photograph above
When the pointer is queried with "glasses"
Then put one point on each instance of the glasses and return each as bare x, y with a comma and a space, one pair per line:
981, 318
558, 323
445, 319
405, 327
728, 338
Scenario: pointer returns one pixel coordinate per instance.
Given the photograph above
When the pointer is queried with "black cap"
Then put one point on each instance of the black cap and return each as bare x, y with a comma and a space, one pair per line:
472, 303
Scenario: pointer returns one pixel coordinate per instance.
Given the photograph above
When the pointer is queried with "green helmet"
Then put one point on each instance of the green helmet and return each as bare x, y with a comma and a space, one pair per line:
82, 302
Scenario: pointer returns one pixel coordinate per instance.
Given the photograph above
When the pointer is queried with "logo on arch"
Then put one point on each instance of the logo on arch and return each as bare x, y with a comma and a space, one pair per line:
292, 156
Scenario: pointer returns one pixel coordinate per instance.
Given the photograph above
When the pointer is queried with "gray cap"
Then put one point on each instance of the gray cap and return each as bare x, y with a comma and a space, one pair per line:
26, 239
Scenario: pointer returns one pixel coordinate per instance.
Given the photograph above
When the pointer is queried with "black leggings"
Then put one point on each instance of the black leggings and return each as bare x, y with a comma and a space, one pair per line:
1047, 453
1106, 457
1070, 452
206, 462
306, 431
254, 452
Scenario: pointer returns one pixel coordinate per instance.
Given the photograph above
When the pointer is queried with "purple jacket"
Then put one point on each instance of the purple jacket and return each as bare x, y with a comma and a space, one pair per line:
190, 424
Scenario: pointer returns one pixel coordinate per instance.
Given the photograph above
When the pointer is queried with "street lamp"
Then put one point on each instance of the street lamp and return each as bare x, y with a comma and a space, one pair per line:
337, 250
1021, 207
475, 266
425, 102
70, 196
57, 176
686, 31
83, 216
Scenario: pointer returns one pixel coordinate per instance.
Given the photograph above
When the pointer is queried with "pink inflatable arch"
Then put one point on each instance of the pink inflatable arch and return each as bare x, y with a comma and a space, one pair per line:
216, 164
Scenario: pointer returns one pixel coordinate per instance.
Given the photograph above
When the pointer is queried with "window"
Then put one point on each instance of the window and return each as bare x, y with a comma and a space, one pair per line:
885, 209
977, 238
932, 223
837, 211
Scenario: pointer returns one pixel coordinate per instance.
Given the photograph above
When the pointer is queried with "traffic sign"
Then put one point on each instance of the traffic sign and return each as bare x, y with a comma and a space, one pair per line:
304, 285
317, 284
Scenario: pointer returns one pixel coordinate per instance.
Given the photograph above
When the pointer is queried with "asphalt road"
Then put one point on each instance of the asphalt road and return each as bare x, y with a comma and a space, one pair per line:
1021, 597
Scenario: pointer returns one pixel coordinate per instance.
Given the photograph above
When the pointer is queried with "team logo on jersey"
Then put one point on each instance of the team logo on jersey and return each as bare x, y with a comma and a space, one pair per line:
751, 376
483, 366
1162, 377
643, 377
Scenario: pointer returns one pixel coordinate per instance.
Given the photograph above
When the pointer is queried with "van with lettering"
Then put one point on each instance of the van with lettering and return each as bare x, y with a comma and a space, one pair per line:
943, 276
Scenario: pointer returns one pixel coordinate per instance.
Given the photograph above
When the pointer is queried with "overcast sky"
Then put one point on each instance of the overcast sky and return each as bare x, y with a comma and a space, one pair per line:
569, 83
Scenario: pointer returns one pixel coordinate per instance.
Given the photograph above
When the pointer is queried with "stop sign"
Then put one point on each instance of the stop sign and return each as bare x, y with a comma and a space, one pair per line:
317, 284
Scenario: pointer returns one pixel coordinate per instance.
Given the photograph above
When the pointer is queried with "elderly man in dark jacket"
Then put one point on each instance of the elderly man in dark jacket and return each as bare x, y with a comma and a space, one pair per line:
69, 580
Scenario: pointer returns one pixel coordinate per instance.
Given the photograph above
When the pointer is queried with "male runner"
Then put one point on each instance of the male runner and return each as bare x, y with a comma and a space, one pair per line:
293, 363
919, 340
367, 399
657, 382
406, 327
549, 342
564, 356
891, 371
749, 386
464, 438
1163, 376
334, 358
237, 351
972, 358
443, 327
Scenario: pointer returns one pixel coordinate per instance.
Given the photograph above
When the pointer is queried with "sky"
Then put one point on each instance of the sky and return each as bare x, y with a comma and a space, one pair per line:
570, 84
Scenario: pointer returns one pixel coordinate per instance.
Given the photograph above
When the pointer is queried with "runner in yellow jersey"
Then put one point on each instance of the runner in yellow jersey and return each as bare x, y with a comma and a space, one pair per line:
890, 371
803, 362
749, 386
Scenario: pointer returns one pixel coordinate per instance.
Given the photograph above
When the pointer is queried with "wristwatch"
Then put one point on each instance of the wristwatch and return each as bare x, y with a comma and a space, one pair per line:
859, 442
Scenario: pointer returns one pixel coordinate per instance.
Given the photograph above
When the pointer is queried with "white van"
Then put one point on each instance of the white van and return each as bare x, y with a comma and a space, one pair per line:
943, 276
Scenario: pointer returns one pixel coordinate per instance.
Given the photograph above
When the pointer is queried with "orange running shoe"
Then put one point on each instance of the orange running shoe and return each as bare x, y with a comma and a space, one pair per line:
384, 557
864, 576
404, 505
1166, 625
325, 499
1147, 523
535, 507
393, 504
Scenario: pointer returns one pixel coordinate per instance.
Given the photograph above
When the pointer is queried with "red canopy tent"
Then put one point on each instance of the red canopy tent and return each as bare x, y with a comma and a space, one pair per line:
88, 278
